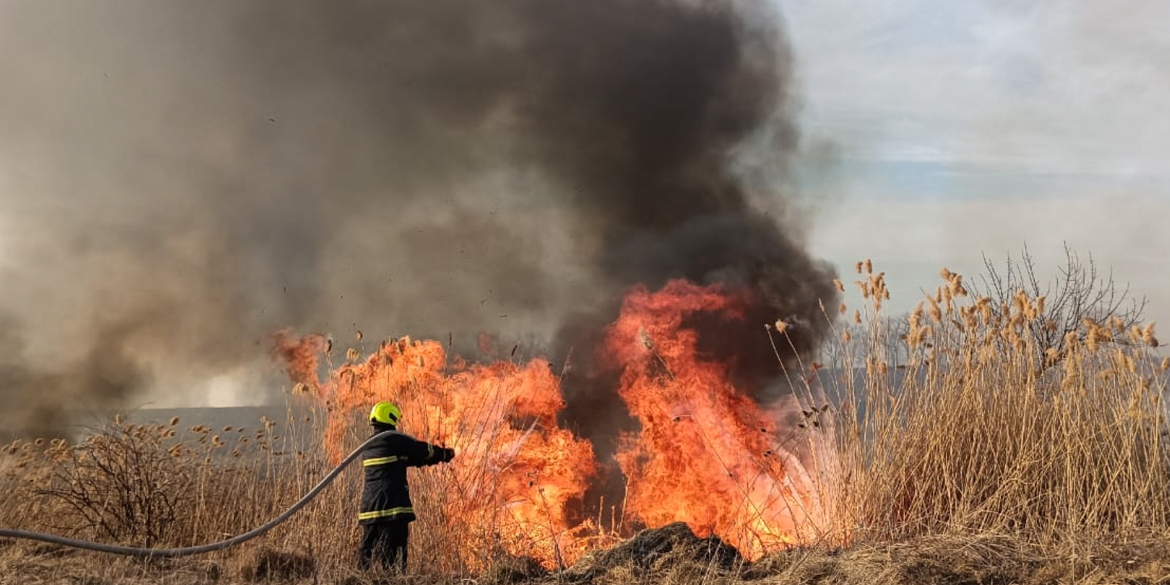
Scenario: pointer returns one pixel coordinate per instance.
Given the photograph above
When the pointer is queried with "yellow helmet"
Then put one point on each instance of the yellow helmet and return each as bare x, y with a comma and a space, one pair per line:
385, 413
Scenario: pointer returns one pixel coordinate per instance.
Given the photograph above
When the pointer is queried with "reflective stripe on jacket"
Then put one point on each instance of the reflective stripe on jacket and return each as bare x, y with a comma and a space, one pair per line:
386, 494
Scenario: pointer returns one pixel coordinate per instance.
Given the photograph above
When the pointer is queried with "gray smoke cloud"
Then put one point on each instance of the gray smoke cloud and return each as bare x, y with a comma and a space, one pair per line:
180, 179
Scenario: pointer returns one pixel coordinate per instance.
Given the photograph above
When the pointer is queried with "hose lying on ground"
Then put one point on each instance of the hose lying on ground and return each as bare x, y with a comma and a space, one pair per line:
203, 548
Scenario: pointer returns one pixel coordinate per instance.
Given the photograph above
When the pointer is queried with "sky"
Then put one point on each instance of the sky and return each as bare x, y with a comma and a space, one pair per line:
937, 132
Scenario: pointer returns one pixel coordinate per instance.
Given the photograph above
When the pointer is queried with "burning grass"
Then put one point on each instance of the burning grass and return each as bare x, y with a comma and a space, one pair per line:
964, 451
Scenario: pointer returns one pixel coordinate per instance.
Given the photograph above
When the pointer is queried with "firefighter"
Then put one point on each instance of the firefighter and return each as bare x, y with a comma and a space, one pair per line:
386, 511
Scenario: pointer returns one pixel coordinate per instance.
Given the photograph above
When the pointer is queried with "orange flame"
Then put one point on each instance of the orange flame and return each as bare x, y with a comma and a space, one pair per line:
301, 357
515, 472
706, 453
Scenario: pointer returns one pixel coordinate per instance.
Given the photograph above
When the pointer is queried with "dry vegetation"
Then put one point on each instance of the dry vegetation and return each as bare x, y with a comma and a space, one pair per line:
1004, 455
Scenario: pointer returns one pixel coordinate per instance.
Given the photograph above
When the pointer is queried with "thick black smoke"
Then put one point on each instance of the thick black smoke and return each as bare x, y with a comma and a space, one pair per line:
179, 179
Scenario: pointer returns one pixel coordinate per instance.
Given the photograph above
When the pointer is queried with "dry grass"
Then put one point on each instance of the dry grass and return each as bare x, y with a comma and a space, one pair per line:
994, 461
983, 436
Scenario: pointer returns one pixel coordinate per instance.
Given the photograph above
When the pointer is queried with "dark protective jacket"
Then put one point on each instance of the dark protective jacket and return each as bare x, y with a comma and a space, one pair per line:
386, 495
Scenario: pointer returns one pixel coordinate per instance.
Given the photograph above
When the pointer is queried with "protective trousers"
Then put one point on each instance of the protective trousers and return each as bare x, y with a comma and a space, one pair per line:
385, 544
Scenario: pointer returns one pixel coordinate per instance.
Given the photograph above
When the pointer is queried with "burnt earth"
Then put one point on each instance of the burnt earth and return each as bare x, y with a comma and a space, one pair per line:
650, 549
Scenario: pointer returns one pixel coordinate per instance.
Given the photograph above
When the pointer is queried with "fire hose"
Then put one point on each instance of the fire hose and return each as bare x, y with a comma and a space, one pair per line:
203, 548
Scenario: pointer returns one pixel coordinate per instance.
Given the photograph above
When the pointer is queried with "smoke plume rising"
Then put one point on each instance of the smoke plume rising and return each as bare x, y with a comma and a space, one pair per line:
179, 179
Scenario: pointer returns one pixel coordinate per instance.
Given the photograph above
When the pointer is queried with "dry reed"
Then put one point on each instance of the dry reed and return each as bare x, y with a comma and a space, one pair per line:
971, 450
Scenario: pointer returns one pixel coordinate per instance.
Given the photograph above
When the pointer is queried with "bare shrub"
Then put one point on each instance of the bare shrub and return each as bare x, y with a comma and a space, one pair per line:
124, 483
1080, 292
